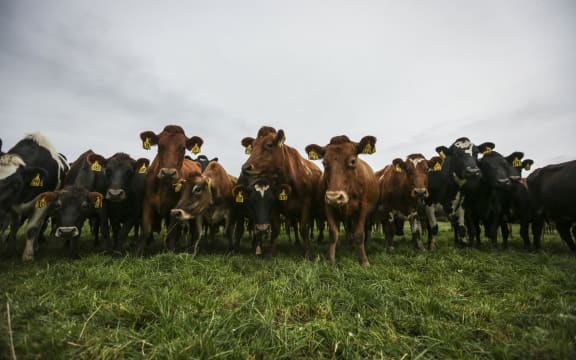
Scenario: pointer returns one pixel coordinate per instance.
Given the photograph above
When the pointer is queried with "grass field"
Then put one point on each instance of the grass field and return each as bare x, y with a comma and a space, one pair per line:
450, 304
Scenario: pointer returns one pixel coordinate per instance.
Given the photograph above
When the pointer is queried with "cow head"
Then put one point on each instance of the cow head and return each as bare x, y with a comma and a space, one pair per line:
416, 167
172, 144
340, 159
496, 171
15, 178
69, 208
120, 170
196, 196
266, 152
260, 196
462, 158
515, 160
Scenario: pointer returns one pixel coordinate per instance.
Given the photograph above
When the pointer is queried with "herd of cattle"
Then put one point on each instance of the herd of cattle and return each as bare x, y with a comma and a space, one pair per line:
189, 197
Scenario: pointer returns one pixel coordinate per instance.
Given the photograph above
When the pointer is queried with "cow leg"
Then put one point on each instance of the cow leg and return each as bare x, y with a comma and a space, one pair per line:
33, 229
73, 247
146, 231
432, 226
334, 232
505, 229
198, 234
359, 234
564, 231
234, 246
14, 226
524, 224
305, 221
537, 231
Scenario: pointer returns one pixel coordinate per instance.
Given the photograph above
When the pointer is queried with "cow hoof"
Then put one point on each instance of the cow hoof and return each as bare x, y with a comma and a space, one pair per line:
365, 264
27, 257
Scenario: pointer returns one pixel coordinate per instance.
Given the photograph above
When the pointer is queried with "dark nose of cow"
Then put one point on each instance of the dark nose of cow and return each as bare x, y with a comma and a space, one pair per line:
177, 214
166, 173
66, 231
247, 169
471, 171
262, 227
115, 194
421, 193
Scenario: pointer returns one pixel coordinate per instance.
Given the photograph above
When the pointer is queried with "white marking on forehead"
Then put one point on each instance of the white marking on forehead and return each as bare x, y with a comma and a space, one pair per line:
261, 189
416, 161
9, 163
465, 145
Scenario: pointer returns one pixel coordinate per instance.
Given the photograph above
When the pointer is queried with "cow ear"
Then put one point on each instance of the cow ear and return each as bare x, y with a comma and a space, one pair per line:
148, 139
239, 194
141, 165
96, 162
367, 145
247, 143
399, 165
515, 159
45, 199
214, 159
284, 192
280, 138
315, 152
527, 164
443, 151
34, 176
194, 144
95, 199
486, 148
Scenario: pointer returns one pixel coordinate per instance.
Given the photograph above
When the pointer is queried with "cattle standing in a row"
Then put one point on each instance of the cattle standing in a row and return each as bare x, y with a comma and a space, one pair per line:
29, 168
163, 180
350, 189
403, 189
270, 157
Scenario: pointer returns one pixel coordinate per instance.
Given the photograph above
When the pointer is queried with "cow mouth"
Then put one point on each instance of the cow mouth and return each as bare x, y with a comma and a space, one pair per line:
336, 198
180, 215
67, 232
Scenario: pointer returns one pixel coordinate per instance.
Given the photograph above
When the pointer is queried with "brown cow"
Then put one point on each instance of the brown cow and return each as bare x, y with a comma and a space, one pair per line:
403, 188
206, 197
270, 157
162, 184
350, 189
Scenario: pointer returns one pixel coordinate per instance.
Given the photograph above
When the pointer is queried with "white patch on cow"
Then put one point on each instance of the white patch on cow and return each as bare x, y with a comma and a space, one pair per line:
465, 145
431, 215
416, 161
415, 226
456, 203
42, 141
261, 189
9, 163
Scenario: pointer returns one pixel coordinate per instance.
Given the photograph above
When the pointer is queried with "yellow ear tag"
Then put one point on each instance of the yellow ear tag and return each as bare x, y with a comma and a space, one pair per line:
96, 166
142, 169
437, 166
146, 144
281, 142
37, 181
248, 149
195, 149
239, 197
98, 202
442, 154
398, 168
527, 167
209, 183
178, 186
516, 162
488, 150
41, 203
283, 196
312, 155
369, 149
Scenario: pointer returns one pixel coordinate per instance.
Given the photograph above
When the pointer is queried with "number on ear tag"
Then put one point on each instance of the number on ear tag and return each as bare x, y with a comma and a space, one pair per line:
147, 144
437, 166
98, 202
96, 166
195, 149
178, 186
398, 168
142, 169
313, 155
516, 162
369, 149
239, 197
248, 149
442, 154
37, 181
488, 150
283, 196
40, 203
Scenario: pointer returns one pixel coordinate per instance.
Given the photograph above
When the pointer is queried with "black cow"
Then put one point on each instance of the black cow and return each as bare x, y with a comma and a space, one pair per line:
457, 176
553, 194
260, 198
202, 160
69, 208
29, 168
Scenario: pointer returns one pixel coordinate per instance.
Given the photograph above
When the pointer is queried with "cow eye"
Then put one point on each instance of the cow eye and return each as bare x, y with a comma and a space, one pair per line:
352, 163
57, 204
197, 189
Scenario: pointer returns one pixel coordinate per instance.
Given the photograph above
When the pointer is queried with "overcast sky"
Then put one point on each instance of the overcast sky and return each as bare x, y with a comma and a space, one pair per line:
415, 74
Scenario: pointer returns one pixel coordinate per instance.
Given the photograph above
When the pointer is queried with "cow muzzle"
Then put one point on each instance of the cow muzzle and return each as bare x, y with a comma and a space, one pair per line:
471, 172
336, 198
67, 232
115, 195
420, 193
167, 173
179, 214
262, 228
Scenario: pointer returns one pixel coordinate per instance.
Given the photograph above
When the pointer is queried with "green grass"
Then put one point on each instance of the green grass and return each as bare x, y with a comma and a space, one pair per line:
450, 304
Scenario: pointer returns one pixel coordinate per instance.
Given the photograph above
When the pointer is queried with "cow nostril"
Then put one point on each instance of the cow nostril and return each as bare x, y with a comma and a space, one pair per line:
246, 168
176, 213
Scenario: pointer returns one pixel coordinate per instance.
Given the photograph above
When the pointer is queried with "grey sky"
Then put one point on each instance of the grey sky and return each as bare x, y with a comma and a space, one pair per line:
415, 74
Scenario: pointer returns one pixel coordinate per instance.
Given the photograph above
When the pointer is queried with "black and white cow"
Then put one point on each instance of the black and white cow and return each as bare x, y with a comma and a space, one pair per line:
28, 169
457, 176
553, 194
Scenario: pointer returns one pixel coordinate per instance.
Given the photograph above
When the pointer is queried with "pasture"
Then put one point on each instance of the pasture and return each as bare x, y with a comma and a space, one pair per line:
453, 303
